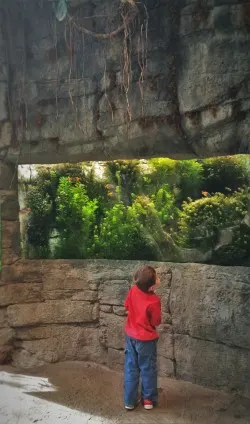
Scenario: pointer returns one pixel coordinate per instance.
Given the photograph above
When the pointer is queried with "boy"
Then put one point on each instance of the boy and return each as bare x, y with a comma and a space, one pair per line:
144, 315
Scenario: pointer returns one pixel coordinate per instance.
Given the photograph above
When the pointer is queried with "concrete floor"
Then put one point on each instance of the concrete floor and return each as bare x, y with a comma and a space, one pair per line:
75, 393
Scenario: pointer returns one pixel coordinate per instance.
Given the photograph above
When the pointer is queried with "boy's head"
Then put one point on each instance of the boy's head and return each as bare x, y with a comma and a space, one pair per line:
146, 278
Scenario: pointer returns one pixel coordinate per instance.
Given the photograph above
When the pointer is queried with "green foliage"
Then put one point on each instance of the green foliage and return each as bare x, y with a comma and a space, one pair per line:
201, 224
140, 209
164, 203
125, 175
130, 232
39, 223
163, 171
223, 173
184, 178
190, 180
145, 214
75, 219
153, 233
119, 234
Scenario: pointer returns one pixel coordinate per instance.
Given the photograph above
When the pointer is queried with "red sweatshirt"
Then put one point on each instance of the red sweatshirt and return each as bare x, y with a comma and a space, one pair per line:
144, 314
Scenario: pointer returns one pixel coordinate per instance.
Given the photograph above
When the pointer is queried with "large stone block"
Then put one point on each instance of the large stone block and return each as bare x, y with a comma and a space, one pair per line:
112, 327
113, 292
119, 310
213, 364
63, 276
3, 318
4, 113
40, 345
6, 336
23, 272
10, 234
10, 207
6, 339
11, 294
5, 354
165, 367
212, 303
116, 359
9, 256
8, 176
51, 312
166, 342
214, 79
6, 132
86, 295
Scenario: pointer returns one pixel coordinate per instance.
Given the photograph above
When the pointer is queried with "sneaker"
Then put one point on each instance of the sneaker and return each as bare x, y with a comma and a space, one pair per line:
131, 408
148, 405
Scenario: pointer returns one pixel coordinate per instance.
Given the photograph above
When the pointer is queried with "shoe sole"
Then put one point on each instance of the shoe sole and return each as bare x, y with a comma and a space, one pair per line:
131, 408
148, 407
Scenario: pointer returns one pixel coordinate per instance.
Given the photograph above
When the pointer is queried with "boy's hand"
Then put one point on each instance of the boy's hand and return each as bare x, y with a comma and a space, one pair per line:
157, 283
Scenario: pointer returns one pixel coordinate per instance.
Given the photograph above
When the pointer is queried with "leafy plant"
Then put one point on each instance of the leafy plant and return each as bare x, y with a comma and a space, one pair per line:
225, 173
125, 175
164, 203
39, 222
190, 178
136, 210
75, 219
119, 234
163, 171
202, 221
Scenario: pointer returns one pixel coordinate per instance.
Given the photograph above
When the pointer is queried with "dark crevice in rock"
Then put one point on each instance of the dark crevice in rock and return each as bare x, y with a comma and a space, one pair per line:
170, 272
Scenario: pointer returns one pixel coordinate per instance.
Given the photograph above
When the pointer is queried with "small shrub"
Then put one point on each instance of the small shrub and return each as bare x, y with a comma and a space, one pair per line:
223, 173
145, 214
201, 221
190, 178
125, 174
119, 235
75, 219
164, 203
39, 222
163, 172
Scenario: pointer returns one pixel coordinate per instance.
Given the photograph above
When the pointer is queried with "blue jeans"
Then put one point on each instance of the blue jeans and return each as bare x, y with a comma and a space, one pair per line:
140, 359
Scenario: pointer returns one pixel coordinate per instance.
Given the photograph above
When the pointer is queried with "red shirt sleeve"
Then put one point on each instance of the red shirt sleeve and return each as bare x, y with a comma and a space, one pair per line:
154, 312
127, 301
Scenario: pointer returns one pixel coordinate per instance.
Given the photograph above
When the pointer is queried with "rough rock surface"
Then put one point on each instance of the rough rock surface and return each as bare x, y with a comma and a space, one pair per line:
81, 393
6, 339
178, 87
54, 311
51, 312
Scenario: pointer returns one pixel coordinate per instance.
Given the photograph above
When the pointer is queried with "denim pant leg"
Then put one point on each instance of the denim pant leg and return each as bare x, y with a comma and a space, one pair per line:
131, 373
147, 360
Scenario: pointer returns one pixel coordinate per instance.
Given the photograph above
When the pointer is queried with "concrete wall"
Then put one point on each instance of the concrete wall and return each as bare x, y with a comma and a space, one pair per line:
73, 310
62, 91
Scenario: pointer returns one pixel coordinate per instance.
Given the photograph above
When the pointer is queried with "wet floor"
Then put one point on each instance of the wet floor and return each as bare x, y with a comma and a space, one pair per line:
75, 393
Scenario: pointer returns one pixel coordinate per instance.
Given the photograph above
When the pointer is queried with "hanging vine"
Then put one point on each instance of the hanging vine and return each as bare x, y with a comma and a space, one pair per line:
131, 30
129, 12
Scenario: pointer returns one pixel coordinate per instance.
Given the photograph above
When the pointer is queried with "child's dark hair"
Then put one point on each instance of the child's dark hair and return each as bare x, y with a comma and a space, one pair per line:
145, 277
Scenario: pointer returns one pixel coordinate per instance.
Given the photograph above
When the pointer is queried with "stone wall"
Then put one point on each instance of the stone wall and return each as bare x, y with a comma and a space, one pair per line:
63, 91
73, 310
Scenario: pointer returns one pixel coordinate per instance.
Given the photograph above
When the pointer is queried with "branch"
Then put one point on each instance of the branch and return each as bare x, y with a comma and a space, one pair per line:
109, 35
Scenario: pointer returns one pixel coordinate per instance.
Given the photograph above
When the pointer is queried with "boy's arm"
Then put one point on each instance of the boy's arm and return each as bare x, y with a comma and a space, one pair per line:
126, 304
154, 312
